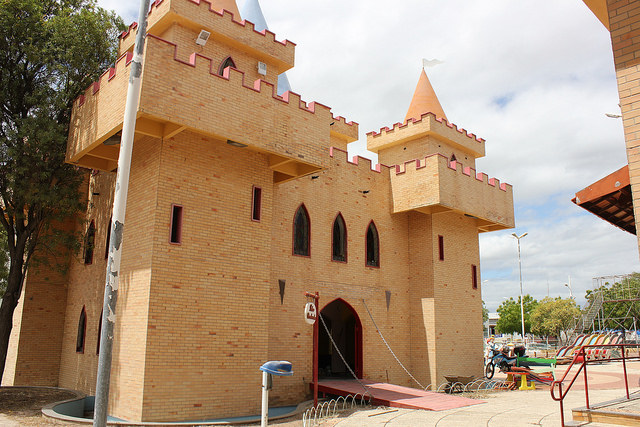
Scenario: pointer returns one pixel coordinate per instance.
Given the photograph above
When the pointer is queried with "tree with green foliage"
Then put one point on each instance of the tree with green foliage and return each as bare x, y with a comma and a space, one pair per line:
552, 316
510, 320
621, 303
50, 51
485, 316
485, 313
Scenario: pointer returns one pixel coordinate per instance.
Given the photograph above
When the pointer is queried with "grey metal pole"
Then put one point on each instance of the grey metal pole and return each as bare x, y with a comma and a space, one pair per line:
117, 224
264, 418
521, 296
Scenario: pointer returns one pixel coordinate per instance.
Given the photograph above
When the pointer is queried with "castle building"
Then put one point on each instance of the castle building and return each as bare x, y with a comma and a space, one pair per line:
240, 201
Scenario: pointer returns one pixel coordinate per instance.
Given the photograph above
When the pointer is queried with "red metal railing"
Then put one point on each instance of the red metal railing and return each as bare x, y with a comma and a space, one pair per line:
583, 357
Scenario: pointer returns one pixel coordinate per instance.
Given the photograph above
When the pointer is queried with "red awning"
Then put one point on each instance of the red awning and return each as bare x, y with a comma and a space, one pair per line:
610, 199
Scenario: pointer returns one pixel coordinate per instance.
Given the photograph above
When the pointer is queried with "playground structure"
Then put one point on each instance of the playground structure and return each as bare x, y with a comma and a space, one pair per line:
613, 304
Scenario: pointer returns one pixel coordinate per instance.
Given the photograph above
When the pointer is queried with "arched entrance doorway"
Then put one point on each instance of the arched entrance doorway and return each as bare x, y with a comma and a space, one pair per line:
346, 329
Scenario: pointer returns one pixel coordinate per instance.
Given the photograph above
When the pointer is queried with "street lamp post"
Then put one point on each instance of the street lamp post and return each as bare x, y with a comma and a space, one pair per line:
521, 296
568, 285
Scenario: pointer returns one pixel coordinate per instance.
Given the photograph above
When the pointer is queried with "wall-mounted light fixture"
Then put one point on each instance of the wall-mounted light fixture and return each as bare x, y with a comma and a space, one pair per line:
203, 37
262, 68
236, 144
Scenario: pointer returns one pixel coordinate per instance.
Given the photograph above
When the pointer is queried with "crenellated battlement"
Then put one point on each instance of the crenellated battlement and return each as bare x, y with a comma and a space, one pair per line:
172, 97
418, 164
123, 61
225, 14
455, 166
200, 14
429, 124
397, 126
358, 160
260, 86
230, 74
434, 184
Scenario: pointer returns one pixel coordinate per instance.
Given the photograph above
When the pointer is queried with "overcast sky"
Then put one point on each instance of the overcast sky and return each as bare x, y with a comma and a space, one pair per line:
533, 78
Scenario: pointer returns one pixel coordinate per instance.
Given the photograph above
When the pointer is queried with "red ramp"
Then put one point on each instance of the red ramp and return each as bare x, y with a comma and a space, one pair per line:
397, 396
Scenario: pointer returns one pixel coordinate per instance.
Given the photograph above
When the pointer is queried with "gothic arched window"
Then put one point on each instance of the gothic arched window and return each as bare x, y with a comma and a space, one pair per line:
301, 232
339, 240
228, 62
373, 246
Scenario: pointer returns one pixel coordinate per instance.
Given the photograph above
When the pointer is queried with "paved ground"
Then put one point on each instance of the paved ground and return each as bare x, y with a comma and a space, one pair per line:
507, 408
511, 408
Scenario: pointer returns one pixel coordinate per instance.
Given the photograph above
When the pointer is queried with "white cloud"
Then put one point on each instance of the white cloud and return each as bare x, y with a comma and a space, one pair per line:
532, 78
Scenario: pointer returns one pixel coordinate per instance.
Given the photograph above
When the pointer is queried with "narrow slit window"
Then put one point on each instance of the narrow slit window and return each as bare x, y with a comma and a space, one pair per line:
82, 329
339, 240
373, 246
474, 277
89, 241
99, 335
441, 247
301, 232
106, 247
176, 224
256, 204
228, 62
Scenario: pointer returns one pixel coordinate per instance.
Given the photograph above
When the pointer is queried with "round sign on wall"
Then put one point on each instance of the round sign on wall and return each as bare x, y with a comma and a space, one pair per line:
310, 313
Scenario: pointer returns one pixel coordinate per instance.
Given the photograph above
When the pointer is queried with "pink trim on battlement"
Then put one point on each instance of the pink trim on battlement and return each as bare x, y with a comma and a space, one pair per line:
419, 164
257, 86
454, 165
224, 12
343, 120
412, 120
95, 86
355, 160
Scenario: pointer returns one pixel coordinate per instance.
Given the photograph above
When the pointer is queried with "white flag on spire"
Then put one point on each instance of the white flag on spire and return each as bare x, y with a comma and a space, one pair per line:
427, 63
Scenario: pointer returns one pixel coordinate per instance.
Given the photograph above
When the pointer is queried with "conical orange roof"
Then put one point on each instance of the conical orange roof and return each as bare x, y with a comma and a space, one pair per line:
424, 100
230, 5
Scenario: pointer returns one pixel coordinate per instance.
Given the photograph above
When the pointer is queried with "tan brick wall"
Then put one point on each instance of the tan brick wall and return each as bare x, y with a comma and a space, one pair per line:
35, 344
130, 340
232, 108
207, 311
218, 51
624, 23
339, 189
34, 353
86, 289
421, 259
458, 307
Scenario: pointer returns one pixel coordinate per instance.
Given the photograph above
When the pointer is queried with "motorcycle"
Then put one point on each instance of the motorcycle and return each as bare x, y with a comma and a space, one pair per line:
502, 360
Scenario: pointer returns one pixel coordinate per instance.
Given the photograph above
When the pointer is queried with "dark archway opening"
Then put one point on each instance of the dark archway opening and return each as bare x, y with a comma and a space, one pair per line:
346, 329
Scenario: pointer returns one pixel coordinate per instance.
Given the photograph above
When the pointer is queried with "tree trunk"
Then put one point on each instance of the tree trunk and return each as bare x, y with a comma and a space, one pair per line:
9, 303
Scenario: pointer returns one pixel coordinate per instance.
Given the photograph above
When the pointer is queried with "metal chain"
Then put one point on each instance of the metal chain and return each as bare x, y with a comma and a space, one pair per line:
387, 344
342, 357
